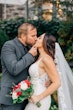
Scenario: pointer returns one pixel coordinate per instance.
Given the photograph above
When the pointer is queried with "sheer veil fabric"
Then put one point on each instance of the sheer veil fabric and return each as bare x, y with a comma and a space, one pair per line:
65, 92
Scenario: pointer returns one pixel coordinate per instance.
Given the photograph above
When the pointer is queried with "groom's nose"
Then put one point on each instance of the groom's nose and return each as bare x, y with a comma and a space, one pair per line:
36, 39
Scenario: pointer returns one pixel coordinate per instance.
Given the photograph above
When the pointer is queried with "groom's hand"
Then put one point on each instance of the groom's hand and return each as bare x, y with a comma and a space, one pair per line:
33, 51
47, 83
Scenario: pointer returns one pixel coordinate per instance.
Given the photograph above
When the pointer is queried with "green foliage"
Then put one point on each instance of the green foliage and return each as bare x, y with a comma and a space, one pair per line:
11, 26
68, 8
65, 39
54, 105
46, 26
3, 38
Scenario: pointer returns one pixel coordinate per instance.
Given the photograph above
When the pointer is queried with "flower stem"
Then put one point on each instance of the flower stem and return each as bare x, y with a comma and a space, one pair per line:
38, 104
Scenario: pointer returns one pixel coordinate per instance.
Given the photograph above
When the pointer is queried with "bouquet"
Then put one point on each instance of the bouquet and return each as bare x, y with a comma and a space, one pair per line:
22, 91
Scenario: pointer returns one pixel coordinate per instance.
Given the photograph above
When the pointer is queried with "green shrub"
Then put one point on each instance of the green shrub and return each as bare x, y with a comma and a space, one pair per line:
11, 26
43, 26
54, 105
65, 39
3, 38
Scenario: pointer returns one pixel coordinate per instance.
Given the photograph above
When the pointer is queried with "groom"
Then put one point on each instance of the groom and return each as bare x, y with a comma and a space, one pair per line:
16, 57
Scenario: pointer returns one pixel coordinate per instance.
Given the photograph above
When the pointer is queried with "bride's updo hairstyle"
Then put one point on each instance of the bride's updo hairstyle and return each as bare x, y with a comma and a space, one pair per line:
49, 44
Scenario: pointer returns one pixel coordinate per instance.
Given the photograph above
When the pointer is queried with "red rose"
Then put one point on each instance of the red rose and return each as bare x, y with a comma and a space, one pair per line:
16, 87
19, 93
27, 82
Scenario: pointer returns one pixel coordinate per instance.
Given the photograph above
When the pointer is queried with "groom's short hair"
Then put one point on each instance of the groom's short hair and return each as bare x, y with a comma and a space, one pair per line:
23, 29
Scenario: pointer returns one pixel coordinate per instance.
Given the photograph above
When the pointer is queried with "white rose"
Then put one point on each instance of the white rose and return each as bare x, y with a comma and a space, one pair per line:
24, 86
14, 95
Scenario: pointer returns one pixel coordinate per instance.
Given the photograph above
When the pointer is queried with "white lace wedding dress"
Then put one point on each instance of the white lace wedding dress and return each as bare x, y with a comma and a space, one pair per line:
38, 86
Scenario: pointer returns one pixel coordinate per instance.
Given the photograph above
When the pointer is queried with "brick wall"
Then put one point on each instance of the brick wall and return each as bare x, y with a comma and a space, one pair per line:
13, 11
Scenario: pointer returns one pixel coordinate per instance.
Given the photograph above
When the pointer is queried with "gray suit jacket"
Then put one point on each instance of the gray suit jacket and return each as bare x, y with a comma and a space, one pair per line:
15, 63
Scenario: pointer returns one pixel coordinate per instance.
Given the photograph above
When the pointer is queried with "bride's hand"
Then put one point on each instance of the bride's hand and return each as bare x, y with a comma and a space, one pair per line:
35, 99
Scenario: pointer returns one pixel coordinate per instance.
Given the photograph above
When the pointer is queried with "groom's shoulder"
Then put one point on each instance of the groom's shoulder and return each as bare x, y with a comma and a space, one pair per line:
9, 42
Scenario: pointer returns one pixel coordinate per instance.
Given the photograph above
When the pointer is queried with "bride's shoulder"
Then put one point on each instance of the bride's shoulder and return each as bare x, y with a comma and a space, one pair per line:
47, 59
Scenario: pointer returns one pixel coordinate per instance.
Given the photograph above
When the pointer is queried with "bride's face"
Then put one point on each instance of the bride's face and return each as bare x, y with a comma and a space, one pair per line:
39, 42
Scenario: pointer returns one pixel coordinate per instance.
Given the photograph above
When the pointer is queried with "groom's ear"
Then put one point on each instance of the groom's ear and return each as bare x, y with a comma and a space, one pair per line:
23, 36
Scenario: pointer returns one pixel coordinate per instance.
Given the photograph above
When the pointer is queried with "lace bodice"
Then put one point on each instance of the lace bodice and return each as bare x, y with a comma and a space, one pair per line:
38, 87
35, 74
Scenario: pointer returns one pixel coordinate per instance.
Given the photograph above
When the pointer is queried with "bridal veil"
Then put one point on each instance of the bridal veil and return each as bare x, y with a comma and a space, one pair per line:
65, 92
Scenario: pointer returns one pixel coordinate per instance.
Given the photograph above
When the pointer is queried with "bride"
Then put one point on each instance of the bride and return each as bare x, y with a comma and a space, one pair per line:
44, 68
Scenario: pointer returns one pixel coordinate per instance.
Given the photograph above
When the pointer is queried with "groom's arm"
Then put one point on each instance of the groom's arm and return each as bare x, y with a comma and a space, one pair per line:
9, 58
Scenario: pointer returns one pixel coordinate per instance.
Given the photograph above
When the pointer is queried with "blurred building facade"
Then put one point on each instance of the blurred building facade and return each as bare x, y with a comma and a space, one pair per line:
47, 8
11, 11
